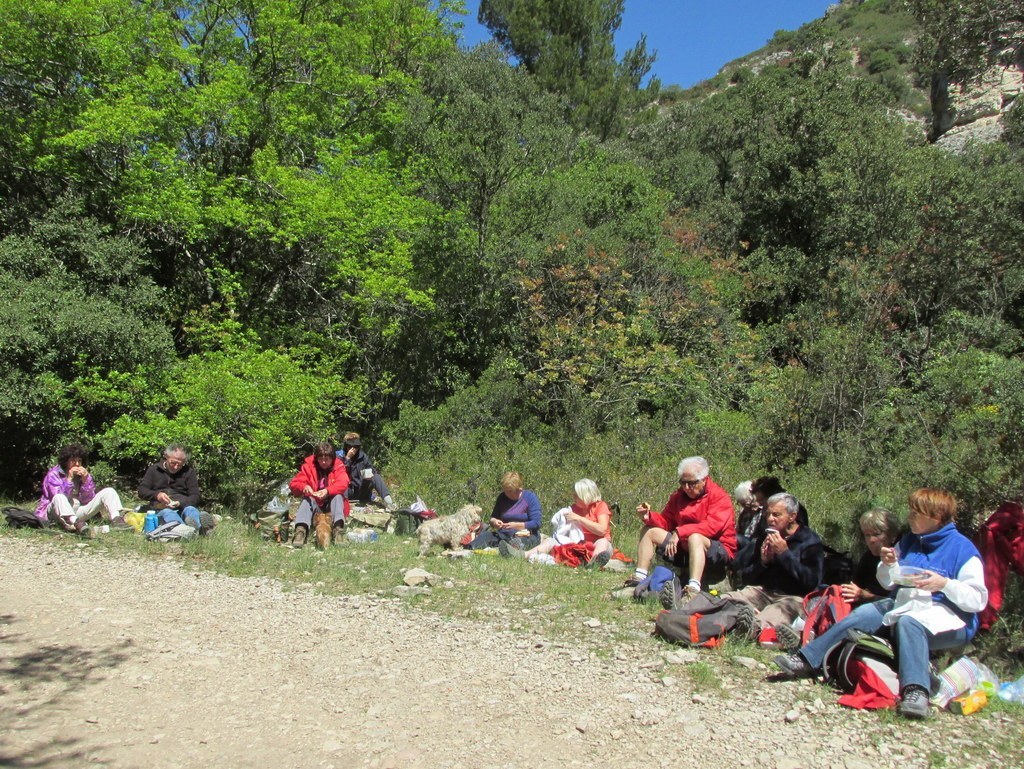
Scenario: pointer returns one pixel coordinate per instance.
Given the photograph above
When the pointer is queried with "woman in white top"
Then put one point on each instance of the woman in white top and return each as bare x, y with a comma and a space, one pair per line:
939, 589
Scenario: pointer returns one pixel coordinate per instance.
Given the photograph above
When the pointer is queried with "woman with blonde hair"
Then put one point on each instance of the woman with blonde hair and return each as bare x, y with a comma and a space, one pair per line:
940, 588
515, 518
590, 515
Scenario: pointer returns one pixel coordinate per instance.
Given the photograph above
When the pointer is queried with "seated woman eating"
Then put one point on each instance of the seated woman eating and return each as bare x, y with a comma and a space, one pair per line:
941, 589
321, 483
515, 518
591, 516
69, 497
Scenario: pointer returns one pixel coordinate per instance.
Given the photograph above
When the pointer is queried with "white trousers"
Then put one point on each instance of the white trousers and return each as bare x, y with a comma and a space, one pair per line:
70, 511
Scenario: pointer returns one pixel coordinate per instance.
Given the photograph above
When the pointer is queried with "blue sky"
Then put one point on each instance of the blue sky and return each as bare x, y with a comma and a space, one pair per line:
694, 38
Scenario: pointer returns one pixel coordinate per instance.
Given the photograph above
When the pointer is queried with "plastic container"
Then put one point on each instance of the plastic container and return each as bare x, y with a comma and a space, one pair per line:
151, 522
906, 576
361, 535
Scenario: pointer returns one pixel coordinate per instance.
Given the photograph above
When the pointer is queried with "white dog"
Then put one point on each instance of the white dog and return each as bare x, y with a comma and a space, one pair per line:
449, 530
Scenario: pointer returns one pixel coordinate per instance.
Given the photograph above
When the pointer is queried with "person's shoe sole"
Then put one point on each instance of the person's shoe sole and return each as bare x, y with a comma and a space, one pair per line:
599, 561
667, 596
746, 626
789, 639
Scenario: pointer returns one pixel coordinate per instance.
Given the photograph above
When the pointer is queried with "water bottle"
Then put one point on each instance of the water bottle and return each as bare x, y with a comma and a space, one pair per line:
151, 522
361, 535
1013, 691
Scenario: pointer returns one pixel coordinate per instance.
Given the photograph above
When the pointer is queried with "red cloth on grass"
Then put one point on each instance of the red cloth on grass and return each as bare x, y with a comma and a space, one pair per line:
870, 692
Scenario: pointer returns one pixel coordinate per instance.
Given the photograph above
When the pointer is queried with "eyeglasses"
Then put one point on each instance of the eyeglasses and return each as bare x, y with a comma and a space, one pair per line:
691, 484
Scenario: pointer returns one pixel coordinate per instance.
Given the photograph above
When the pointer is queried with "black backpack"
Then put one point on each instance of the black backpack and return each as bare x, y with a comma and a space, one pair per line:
22, 519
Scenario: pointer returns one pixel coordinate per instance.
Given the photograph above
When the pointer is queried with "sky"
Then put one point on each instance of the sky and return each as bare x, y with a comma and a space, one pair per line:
693, 38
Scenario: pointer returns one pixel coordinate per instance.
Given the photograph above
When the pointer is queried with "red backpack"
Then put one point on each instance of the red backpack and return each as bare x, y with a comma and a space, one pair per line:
822, 609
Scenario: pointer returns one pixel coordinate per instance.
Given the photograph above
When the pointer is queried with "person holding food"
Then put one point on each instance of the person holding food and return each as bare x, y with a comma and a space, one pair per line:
940, 588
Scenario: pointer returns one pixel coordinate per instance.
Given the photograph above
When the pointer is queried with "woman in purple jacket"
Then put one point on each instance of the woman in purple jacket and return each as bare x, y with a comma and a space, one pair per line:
69, 497
515, 518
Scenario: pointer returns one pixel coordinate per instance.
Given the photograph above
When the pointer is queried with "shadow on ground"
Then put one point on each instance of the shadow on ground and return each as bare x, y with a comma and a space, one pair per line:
35, 684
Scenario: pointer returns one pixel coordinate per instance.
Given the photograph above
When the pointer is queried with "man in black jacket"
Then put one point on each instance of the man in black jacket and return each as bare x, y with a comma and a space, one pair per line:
363, 476
171, 487
788, 566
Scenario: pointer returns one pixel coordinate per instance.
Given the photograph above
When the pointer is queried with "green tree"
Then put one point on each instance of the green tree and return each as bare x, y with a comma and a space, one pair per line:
80, 318
244, 412
569, 47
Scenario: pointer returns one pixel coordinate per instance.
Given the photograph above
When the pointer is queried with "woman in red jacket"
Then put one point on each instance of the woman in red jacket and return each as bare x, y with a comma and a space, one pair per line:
321, 482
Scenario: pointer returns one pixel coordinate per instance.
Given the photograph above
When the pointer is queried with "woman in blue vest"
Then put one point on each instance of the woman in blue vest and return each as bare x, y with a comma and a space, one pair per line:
939, 585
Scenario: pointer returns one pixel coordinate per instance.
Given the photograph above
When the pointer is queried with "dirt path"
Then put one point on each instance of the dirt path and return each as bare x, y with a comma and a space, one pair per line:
132, 663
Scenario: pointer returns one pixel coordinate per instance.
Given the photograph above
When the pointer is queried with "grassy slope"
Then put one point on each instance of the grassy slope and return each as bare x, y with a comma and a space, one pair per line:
872, 29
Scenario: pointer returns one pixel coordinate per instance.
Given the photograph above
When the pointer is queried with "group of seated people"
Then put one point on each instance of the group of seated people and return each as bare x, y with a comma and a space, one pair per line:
769, 549
328, 479
776, 558
170, 488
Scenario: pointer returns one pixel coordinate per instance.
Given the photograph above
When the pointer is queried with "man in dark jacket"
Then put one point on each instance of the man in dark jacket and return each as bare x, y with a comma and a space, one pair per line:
789, 563
171, 487
362, 475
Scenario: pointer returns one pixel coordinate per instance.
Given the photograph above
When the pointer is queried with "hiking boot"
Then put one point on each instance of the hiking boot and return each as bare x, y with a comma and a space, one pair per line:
508, 550
118, 523
669, 595
747, 626
338, 533
914, 703
793, 666
675, 595
206, 522
632, 581
599, 561
789, 639
623, 594
299, 538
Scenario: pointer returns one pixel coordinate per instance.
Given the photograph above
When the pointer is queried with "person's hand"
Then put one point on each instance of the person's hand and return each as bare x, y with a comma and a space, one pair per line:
497, 523
851, 592
571, 517
162, 499
888, 556
671, 544
766, 553
351, 453
307, 491
775, 543
930, 581
321, 495
643, 510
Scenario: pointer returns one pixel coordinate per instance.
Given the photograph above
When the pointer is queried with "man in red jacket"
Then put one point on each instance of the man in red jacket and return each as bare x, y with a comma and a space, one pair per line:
696, 529
321, 482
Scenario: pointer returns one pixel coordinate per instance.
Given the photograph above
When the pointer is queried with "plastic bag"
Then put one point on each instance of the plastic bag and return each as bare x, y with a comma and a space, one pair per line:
959, 678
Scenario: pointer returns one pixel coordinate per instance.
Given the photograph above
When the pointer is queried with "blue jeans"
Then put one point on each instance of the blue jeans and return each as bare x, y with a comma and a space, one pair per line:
911, 639
189, 515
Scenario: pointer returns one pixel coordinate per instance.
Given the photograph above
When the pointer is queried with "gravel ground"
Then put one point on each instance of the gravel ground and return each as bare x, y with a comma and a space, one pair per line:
131, 662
